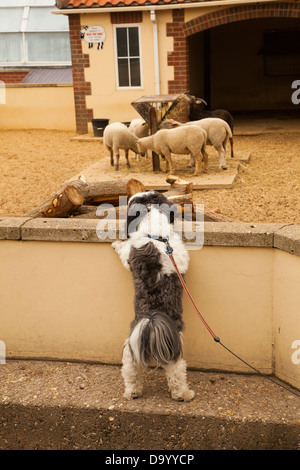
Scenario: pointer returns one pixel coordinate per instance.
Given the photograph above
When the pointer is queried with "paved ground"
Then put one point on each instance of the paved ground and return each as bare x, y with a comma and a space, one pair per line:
245, 125
61, 405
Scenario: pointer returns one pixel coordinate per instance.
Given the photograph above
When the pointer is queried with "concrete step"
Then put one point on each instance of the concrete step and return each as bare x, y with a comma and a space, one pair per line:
60, 405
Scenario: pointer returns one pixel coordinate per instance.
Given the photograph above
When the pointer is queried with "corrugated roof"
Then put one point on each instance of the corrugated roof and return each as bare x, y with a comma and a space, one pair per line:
102, 3
55, 75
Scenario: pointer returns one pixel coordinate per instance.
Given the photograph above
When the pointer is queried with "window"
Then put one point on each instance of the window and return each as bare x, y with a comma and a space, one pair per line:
128, 56
31, 35
281, 52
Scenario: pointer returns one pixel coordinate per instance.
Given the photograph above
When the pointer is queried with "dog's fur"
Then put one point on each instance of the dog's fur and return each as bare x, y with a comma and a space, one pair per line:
156, 331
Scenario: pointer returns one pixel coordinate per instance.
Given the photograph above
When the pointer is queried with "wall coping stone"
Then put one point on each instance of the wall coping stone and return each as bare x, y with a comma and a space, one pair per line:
285, 237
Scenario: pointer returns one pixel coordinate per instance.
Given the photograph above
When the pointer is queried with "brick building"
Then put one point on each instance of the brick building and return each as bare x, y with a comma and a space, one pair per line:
242, 55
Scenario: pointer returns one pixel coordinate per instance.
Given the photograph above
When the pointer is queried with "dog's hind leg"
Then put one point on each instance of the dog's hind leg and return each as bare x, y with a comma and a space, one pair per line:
131, 374
177, 381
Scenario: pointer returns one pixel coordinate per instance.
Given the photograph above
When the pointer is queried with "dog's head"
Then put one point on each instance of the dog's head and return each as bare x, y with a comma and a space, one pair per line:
150, 213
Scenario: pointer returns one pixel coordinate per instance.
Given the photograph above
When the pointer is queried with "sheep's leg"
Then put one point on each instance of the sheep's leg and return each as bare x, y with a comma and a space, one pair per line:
198, 160
231, 145
222, 160
169, 164
223, 153
116, 152
204, 159
117, 167
127, 160
111, 156
192, 162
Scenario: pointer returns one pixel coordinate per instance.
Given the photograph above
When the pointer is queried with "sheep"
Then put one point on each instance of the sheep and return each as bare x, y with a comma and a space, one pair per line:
117, 136
218, 132
182, 140
196, 112
140, 128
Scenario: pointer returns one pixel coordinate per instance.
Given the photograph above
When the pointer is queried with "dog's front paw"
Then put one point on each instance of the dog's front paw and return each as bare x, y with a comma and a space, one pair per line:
116, 245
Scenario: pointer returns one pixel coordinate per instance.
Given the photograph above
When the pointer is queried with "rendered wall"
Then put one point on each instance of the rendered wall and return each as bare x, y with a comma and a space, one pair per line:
106, 100
66, 296
38, 107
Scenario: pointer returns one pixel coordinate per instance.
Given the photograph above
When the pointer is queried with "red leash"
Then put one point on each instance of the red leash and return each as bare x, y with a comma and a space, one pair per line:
216, 338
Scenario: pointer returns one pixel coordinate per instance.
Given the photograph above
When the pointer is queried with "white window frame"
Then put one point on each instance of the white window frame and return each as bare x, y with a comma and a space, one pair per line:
25, 62
128, 25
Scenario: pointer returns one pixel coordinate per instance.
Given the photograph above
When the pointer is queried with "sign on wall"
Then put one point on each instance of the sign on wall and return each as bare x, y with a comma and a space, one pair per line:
92, 35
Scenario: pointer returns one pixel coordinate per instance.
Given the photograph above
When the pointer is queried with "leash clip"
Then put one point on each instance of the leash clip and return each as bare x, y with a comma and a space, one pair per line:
169, 250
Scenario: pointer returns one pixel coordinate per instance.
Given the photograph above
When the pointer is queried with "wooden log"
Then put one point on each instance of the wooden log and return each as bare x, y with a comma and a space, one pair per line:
75, 193
180, 192
100, 191
63, 202
178, 186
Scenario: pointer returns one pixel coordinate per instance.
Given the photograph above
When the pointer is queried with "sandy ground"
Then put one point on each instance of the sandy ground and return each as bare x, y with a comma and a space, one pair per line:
35, 163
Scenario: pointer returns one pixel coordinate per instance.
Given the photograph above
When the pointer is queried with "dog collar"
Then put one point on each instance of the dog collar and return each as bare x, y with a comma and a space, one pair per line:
158, 238
164, 240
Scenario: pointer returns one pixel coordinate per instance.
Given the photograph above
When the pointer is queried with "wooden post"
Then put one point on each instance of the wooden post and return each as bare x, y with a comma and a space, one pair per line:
153, 129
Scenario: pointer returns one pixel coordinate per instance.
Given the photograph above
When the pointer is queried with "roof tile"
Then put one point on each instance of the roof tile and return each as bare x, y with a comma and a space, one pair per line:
62, 4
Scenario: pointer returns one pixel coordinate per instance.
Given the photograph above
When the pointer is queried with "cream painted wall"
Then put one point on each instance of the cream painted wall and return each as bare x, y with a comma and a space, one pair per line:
286, 299
69, 300
106, 100
38, 107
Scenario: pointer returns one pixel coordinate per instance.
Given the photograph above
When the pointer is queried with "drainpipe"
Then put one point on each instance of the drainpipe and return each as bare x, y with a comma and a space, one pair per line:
156, 55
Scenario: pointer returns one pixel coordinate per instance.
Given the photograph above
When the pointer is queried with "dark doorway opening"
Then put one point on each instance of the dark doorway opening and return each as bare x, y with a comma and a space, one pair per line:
229, 67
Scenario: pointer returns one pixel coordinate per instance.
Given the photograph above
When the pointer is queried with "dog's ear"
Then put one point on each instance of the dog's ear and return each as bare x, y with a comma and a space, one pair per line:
136, 212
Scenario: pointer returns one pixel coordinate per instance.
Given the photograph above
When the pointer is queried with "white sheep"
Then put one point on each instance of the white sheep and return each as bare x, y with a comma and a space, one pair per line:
117, 136
140, 128
218, 133
183, 140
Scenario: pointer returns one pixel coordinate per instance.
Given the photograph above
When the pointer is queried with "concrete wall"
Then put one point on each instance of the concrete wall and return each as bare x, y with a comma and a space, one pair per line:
38, 107
65, 295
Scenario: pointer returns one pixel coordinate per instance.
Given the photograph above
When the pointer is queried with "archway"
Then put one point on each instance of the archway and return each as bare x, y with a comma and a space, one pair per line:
220, 56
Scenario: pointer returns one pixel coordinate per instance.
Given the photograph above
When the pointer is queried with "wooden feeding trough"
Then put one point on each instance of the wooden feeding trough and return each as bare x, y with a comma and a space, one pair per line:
154, 109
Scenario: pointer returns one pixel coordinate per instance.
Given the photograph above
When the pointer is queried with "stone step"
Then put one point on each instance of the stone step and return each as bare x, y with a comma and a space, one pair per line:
48, 405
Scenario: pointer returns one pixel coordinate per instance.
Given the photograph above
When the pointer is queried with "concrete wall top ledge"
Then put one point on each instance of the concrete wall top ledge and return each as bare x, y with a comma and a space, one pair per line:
275, 235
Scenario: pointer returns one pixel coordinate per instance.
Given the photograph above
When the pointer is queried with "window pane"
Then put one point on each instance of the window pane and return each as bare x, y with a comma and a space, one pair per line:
47, 47
122, 42
123, 72
135, 72
41, 19
134, 42
11, 19
11, 47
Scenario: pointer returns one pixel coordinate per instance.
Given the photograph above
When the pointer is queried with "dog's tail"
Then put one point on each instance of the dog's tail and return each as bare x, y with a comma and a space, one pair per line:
155, 337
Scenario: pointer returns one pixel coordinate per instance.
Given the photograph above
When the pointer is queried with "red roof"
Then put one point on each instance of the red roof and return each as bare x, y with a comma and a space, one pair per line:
61, 4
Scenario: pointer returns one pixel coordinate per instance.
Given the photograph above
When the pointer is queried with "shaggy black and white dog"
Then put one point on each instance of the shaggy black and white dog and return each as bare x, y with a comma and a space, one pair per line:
156, 331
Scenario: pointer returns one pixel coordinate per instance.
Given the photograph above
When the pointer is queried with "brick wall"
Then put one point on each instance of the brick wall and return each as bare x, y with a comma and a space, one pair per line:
80, 86
179, 56
180, 30
12, 76
126, 17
